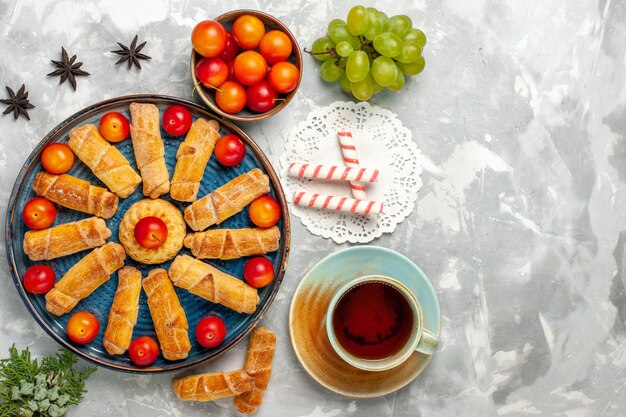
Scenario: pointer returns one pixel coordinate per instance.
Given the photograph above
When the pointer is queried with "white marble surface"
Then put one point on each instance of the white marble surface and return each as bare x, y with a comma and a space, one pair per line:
521, 113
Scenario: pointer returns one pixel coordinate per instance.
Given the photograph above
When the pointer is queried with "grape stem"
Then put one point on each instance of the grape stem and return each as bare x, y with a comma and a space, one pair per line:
329, 51
366, 46
373, 55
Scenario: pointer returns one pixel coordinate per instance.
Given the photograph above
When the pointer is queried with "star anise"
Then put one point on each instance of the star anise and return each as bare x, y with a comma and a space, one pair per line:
67, 68
17, 103
132, 55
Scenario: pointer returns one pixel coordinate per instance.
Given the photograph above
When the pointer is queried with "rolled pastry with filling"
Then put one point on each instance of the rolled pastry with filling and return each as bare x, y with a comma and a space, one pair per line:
145, 132
192, 158
84, 278
227, 200
104, 160
210, 283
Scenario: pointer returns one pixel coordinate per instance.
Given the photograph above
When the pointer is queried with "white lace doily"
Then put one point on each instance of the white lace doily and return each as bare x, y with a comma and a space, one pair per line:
381, 142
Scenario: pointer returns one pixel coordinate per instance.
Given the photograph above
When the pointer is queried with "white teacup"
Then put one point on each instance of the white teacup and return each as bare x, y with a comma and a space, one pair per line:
420, 339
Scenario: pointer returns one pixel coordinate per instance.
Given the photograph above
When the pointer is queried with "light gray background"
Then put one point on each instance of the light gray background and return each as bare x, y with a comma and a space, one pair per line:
521, 112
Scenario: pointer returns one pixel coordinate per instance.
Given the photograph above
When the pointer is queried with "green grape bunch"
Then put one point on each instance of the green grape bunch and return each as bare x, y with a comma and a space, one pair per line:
369, 52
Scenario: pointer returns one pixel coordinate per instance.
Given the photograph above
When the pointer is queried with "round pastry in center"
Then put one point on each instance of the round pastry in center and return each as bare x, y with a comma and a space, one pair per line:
171, 241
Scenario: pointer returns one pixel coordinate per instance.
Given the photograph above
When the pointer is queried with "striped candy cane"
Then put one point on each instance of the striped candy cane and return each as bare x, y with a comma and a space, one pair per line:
332, 172
351, 159
345, 204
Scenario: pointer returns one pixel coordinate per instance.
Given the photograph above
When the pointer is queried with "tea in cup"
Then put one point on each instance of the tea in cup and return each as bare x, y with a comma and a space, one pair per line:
375, 323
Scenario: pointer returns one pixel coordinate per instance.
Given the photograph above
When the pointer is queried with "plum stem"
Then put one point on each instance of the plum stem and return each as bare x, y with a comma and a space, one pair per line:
195, 87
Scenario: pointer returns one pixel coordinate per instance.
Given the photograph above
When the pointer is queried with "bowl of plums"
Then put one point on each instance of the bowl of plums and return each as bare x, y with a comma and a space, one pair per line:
246, 65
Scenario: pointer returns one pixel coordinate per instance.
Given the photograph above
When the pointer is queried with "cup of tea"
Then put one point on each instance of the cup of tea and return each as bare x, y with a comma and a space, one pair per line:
375, 323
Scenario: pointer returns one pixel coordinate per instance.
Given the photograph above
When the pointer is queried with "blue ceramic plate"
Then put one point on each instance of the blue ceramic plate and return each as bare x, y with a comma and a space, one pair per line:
98, 303
307, 325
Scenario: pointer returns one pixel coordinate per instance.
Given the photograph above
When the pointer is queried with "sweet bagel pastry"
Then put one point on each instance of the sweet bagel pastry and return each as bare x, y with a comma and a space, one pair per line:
175, 231
168, 316
259, 366
106, 162
209, 387
84, 278
210, 283
65, 239
191, 159
123, 312
227, 200
145, 131
232, 243
76, 194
